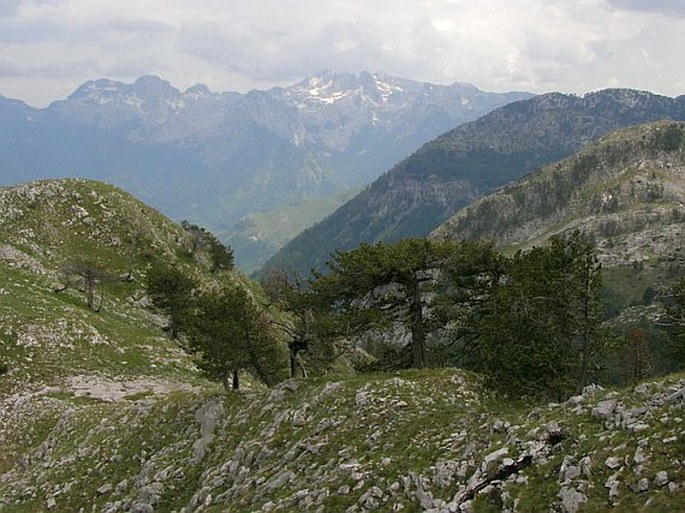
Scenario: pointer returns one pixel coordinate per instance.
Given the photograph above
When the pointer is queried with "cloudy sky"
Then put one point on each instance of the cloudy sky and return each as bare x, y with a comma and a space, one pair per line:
49, 47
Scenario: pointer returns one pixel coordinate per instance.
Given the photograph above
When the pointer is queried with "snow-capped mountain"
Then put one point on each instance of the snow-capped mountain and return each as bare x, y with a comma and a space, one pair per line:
215, 157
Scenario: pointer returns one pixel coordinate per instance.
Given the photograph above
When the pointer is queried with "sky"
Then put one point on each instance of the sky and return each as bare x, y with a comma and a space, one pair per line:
50, 47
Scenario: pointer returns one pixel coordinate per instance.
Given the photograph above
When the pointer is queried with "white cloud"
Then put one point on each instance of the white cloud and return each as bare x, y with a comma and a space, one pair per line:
49, 47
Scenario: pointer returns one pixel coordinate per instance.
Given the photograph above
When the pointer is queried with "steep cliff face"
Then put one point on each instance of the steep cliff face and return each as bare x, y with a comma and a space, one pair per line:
626, 192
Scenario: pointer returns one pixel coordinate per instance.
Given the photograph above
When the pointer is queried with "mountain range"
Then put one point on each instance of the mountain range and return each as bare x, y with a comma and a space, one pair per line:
214, 158
446, 174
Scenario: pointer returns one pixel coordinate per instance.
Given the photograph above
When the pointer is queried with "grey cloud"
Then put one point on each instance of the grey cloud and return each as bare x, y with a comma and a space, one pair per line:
667, 7
51, 69
497, 44
8, 7
275, 54
56, 29
138, 26
15, 30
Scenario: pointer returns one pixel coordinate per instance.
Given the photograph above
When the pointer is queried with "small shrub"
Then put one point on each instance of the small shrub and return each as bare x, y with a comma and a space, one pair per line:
672, 138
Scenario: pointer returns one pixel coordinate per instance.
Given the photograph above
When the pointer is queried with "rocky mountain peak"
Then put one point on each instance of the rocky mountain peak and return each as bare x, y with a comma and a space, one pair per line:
198, 90
330, 87
147, 90
153, 88
98, 91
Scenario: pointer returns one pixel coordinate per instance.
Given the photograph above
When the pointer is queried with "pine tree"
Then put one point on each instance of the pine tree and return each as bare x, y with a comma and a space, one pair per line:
171, 290
539, 329
230, 333
375, 285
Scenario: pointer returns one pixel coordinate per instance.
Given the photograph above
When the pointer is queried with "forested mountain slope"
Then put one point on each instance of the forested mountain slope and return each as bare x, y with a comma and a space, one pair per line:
626, 192
446, 174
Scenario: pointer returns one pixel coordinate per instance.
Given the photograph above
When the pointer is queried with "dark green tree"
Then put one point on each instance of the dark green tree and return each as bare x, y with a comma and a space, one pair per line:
672, 137
375, 285
467, 278
675, 321
538, 331
171, 290
305, 323
229, 333
221, 256
583, 289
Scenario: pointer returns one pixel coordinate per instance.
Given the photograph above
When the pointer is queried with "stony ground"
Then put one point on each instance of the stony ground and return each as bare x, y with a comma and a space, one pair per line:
413, 441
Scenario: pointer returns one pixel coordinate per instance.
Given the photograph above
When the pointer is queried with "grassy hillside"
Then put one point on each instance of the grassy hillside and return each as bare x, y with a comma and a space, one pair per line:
258, 236
101, 412
48, 336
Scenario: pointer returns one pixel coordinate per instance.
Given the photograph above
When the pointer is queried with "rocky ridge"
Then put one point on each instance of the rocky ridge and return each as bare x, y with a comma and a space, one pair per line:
626, 192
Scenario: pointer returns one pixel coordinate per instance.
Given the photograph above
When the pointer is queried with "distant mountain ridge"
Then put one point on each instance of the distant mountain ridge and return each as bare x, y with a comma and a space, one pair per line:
215, 157
448, 173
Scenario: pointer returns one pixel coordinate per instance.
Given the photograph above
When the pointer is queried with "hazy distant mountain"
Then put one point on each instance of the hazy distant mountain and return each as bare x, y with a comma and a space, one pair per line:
213, 158
446, 174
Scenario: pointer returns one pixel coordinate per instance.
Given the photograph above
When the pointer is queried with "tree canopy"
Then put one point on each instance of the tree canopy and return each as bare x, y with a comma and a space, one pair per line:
219, 322
230, 333
538, 330
171, 290
220, 255
376, 285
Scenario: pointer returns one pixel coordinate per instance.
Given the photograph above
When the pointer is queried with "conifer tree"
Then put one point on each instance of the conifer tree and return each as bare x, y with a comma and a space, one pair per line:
375, 285
306, 322
230, 333
171, 290
539, 329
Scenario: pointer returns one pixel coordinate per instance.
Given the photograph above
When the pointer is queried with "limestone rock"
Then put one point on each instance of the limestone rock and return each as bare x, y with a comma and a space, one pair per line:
571, 500
643, 485
604, 409
661, 478
613, 462
104, 489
